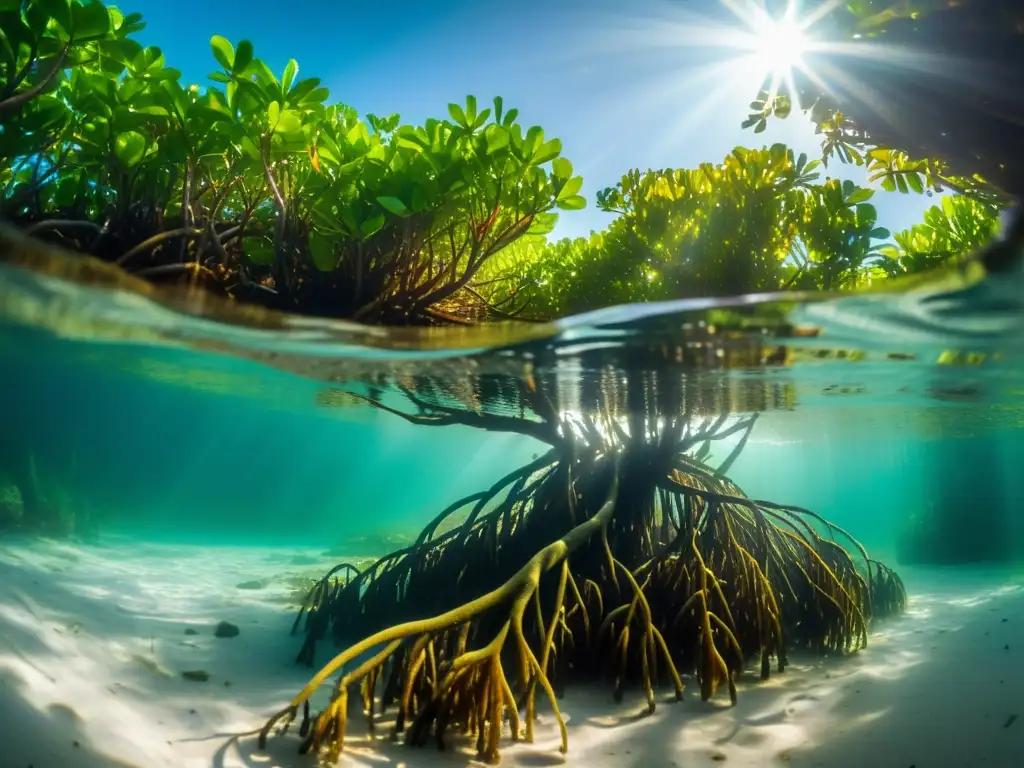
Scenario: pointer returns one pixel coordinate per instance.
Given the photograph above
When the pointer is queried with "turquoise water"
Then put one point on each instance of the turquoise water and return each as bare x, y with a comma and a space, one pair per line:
215, 465
161, 440
164, 460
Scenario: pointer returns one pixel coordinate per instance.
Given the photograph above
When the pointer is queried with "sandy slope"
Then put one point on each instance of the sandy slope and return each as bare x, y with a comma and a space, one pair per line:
93, 644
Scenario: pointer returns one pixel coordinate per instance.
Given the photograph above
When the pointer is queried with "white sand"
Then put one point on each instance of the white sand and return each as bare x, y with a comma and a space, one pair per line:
93, 644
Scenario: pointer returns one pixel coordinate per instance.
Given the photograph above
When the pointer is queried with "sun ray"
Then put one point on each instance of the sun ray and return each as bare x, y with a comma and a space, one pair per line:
819, 13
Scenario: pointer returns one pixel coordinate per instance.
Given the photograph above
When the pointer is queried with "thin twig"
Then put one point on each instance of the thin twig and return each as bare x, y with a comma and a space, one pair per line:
155, 240
45, 224
169, 269
16, 101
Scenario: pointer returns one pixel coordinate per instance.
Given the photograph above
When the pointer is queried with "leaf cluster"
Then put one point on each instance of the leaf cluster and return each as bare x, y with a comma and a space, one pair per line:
761, 220
944, 137
258, 174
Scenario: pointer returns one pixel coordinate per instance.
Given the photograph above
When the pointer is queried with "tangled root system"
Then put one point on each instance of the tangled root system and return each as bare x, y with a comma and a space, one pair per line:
610, 557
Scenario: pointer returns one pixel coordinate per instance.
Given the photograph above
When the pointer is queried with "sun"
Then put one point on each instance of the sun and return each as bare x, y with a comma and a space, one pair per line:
779, 45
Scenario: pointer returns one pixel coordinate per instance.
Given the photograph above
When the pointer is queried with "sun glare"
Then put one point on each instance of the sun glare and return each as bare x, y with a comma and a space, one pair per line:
779, 45
766, 47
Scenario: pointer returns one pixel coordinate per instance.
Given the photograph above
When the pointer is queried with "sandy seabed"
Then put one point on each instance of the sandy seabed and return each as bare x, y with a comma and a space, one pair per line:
94, 641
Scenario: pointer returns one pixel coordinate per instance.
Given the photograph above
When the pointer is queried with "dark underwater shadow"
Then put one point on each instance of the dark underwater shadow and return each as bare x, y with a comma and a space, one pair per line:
63, 741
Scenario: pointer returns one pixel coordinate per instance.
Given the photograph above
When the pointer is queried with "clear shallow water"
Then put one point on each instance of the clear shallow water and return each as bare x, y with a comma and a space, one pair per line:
216, 461
188, 419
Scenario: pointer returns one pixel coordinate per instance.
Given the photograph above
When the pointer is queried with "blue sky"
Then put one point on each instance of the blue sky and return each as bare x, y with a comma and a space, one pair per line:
606, 77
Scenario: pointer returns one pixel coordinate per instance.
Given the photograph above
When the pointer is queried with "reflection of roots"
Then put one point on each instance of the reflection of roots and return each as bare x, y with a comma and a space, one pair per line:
657, 566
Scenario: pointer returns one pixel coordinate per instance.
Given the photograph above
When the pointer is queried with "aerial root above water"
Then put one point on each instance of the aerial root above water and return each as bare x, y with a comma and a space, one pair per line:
611, 557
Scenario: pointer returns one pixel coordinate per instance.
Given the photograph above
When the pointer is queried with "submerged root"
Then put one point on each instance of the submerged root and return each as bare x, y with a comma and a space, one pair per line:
466, 689
584, 564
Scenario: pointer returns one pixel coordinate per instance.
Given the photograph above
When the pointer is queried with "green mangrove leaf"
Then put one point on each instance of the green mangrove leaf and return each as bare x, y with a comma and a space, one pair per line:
372, 225
249, 149
37, 19
302, 89
151, 109
481, 119
147, 59
358, 134
159, 75
321, 249
394, 205
291, 69
328, 150
458, 115
7, 54
561, 168
259, 74
867, 212
543, 223
325, 218
571, 188
316, 96
259, 250
411, 137
129, 148
351, 169
223, 52
548, 151
58, 10
572, 203
348, 218
116, 18
419, 199
534, 137
859, 196
291, 124
251, 98
131, 23
90, 20
496, 138
243, 57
